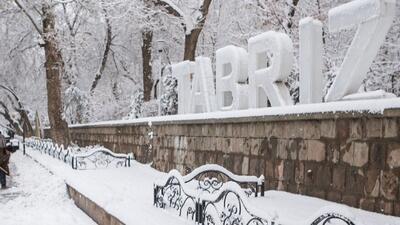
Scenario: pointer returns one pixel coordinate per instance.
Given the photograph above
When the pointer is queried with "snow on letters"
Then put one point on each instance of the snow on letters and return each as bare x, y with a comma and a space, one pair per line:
270, 63
203, 95
310, 57
373, 18
254, 79
231, 74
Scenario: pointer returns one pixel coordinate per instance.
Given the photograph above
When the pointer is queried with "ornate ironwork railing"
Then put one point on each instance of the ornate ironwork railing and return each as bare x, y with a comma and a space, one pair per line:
94, 159
101, 158
214, 201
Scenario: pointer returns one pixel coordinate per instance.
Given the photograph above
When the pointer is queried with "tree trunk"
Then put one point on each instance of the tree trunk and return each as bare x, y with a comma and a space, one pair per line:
191, 44
54, 66
147, 37
192, 38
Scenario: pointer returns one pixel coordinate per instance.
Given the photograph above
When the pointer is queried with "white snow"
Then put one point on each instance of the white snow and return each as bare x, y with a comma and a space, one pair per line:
310, 61
379, 94
37, 197
371, 106
353, 13
127, 193
269, 78
203, 94
231, 75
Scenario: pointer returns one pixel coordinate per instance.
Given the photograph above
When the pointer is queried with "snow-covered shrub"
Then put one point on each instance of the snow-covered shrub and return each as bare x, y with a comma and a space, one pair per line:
136, 105
76, 105
169, 99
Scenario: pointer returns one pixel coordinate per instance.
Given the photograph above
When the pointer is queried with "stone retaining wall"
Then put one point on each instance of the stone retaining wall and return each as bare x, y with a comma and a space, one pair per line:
352, 158
94, 211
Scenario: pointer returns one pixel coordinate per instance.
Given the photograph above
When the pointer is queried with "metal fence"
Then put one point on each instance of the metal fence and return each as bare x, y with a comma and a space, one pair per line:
97, 158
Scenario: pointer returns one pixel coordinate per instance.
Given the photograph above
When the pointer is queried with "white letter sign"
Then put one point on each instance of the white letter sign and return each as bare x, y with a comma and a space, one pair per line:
310, 61
203, 92
270, 63
373, 18
231, 66
184, 71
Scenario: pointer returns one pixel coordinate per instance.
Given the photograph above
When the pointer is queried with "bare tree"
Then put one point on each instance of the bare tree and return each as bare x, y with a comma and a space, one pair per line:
54, 66
192, 31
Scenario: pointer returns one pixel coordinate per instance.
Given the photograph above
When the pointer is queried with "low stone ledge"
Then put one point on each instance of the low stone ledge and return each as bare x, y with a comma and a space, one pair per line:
94, 211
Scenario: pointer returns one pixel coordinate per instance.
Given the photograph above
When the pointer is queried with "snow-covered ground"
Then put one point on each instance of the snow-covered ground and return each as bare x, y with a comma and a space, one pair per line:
36, 197
127, 193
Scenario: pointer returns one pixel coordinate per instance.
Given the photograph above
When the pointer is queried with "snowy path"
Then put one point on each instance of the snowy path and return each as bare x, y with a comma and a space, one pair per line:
127, 193
36, 197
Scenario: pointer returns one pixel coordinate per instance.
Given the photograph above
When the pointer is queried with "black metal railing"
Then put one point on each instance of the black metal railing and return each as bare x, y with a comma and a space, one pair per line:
100, 158
93, 159
206, 199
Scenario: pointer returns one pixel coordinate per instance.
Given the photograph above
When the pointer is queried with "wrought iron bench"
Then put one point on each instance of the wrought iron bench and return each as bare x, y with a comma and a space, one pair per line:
213, 200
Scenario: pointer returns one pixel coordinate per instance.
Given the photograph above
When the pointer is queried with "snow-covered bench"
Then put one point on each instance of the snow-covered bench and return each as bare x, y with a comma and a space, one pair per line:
86, 158
213, 195
100, 158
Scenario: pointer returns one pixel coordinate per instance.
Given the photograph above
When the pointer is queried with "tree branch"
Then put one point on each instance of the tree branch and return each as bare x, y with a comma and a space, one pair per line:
108, 41
29, 17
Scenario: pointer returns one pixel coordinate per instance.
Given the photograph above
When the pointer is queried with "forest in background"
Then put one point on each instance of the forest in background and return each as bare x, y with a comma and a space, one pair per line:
109, 59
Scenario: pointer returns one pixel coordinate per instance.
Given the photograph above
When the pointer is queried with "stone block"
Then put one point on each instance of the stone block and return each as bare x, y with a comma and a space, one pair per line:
393, 158
289, 171
311, 130
255, 144
236, 129
316, 150
342, 129
269, 169
323, 176
269, 147
338, 177
334, 196
372, 186
278, 129
328, 128
350, 200
295, 129
377, 154
357, 155
237, 164
355, 181
396, 209
310, 173
389, 185
367, 204
333, 152
260, 130
316, 193
245, 166
374, 127
313, 150
356, 129
390, 127
281, 152
384, 207
293, 148
299, 173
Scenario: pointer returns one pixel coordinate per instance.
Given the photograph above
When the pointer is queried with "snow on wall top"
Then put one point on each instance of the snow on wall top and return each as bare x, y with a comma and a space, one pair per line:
361, 106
